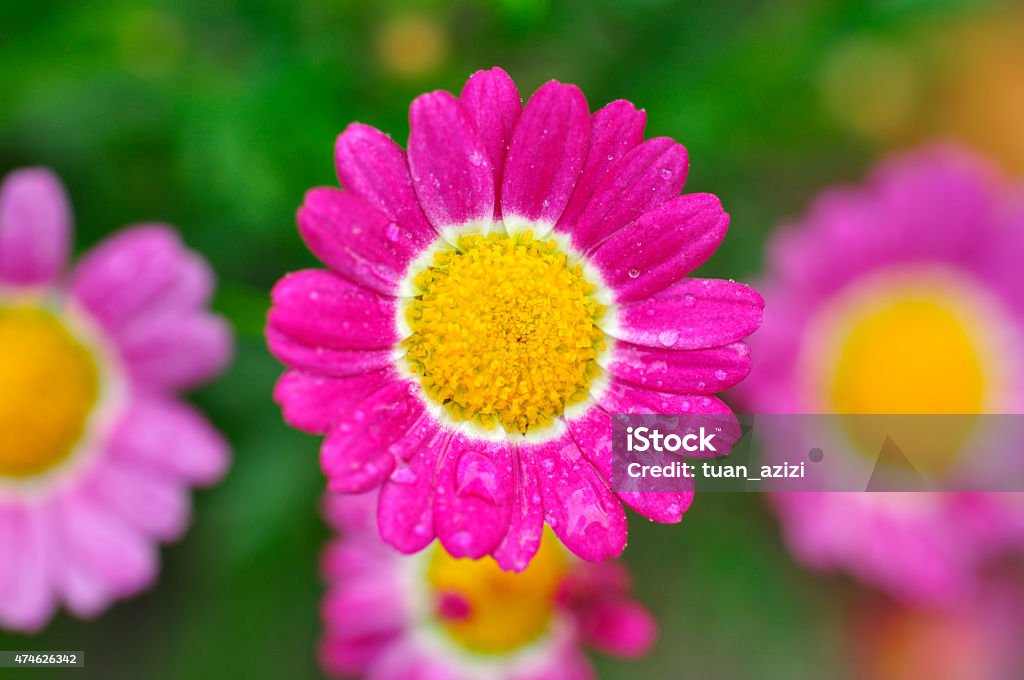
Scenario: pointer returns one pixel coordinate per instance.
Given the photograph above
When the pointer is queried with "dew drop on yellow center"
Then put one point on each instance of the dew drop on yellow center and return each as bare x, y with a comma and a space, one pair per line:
911, 347
505, 331
505, 610
49, 384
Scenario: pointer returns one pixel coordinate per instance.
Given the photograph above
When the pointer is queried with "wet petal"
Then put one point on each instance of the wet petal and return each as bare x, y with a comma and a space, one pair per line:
545, 159
405, 510
451, 170
614, 130
578, 504
473, 504
662, 246
646, 177
492, 102
691, 314
360, 452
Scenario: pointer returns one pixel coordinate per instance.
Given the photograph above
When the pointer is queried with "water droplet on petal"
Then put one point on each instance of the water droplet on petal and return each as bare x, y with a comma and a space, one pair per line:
668, 337
633, 273
720, 374
689, 300
462, 539
403, 475
392, 232
666, 174
475, 476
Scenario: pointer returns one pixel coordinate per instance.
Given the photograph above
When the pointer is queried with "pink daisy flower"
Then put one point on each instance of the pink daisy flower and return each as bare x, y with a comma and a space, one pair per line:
97, 455
900, 297
430, 615
492, 297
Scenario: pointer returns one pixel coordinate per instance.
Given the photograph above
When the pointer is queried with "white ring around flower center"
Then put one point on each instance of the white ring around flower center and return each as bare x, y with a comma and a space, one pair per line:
602, 293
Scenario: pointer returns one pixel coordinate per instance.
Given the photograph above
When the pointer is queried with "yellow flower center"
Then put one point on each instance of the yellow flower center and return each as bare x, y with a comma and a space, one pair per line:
916, 343
49, 383
505, 331
495, 611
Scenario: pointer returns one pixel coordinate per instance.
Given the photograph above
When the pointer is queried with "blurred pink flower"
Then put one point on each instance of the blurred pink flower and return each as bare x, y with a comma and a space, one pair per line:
900, 297
491, 299
430, 615
96, 453
979, 640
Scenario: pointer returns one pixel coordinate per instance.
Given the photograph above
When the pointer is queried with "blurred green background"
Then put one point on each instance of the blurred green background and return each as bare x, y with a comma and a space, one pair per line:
217, 116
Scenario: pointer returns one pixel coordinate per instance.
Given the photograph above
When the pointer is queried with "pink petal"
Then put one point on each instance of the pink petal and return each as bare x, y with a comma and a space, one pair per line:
619, 627
374, 168
526, 524
662, 246
356, 240
297, 354
665, 507
473, 501
492, 102
359, 453
545, 159
578, 505
451, 170
622, 397
646, 177
361, 617
410, 659
314, 403
8, 549
565, 661
405, 509
691, 314
347, 558
152, 503
170, 437
370, 604
173, 351
99, 541
699, 371
350, 656
27, 588
614, 130
593, 435
321, 309
35, 227
139, 272
85, 592
355, 516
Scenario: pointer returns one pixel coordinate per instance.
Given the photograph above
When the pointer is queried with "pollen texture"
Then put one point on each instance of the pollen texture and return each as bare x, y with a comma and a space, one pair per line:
505, 331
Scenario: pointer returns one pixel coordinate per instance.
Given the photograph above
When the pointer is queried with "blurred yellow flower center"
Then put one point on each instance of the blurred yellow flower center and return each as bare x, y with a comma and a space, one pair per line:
497, 611
504, 331
412, 45
911, 353
49, 383
917, 344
